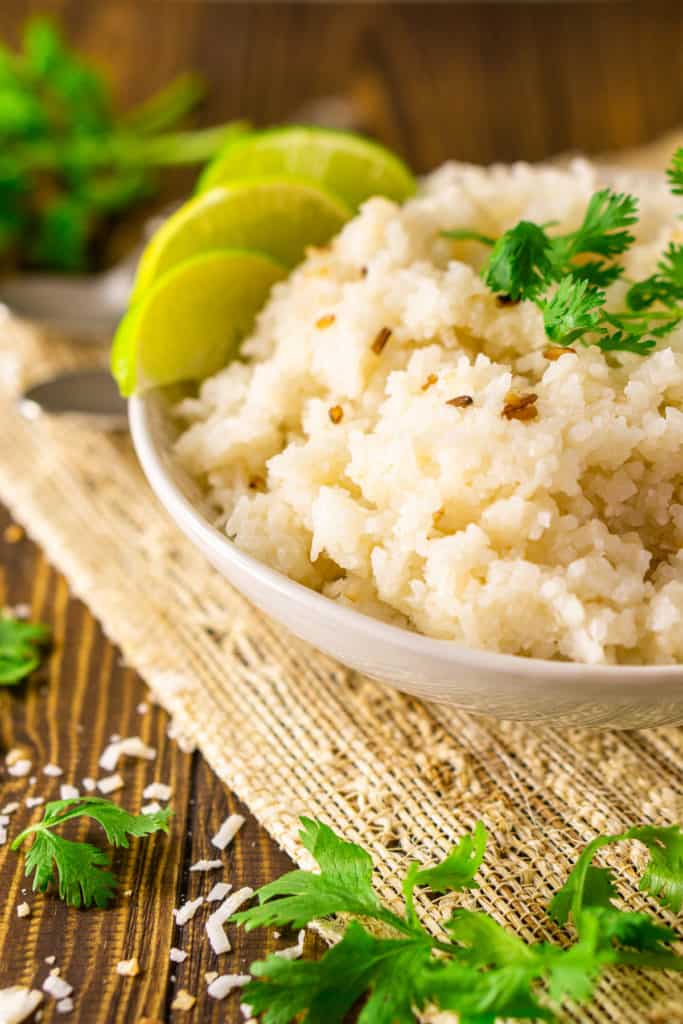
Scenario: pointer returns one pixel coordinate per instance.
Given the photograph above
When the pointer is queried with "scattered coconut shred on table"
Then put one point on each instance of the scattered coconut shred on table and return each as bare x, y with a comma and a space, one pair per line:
219, 892
129, 968
133, 746
109, 784
207, 865
18, 1003
58, 988
228, 830
157, 791
187, 911
220, 943
226, 983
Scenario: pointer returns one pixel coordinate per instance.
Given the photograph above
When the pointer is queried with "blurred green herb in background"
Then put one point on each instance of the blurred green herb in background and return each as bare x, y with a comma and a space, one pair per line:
68, 162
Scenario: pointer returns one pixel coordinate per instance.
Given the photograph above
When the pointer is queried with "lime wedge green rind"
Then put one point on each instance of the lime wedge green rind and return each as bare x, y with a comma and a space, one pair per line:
191, 321
279, 216
349, 165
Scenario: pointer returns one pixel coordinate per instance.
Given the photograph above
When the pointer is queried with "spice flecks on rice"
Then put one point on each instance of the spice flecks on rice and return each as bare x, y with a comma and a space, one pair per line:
545, 518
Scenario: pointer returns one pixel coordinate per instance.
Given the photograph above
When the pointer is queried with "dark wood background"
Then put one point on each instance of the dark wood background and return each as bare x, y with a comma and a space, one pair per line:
477, 82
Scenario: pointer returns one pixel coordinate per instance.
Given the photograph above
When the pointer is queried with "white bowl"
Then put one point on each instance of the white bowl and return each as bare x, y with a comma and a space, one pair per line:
502, 685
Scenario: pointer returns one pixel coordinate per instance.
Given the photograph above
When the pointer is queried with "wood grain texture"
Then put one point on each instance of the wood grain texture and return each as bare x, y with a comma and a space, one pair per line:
477, 82
65, 714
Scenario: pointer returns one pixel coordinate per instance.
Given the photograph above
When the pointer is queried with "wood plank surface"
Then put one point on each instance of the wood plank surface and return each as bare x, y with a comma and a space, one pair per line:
478, 82
65, 715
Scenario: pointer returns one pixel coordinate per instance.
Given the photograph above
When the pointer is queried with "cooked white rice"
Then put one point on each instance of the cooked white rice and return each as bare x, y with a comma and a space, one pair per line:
558, 537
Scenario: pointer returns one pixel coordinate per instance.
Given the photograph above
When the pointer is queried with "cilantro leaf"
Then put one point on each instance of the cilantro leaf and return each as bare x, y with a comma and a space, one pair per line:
603, 230
344, 884
666, 286
631, 928
483, 972
484, 942
20, 644
482, 997
574, 309
526, 261
597, 272
663, 876
456, 872
62, 144
83, 878
82, 875
568, 972
389, 969
595, 887
626, 341
591, 887
521, 263
675, 172
465, 235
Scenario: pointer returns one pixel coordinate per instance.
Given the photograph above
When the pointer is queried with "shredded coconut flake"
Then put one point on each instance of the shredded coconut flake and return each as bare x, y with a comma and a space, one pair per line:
246, 1011
65, 1005
214, 926
11, 807
219, 892
183, 1001
57, 987
67, 792
34, 801
293, 952
133, 746
225, 983
18, 769
178, 956
23, 910
128, 968
207, 865
187, 911
228, 830
157, 791
17, 1003
53, 770
89, 784
151, 808
110, 783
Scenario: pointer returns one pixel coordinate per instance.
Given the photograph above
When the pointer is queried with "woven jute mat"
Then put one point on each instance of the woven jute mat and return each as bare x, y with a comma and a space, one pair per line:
291, 732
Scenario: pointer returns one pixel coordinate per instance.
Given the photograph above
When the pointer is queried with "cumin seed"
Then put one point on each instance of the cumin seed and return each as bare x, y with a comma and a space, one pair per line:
460, 401
336, 414
380, 341
555, 352
520, 407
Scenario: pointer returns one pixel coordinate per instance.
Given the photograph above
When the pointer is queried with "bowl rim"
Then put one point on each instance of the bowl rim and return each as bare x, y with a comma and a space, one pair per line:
182, 510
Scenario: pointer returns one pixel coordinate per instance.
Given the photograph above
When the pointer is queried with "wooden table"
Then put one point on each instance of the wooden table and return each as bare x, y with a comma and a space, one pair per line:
480, 82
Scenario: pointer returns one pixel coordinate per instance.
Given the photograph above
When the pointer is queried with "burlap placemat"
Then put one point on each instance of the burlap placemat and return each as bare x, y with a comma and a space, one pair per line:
292, 732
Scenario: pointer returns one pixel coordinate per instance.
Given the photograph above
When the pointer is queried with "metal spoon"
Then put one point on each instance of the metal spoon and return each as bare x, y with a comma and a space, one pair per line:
88, 394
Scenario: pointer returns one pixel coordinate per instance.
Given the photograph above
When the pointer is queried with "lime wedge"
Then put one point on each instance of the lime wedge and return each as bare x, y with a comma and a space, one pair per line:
192, 320
276, 216
348, 165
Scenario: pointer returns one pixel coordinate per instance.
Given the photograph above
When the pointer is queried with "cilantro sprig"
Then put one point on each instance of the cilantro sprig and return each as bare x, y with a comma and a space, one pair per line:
566, 275
82, 871
20, 644
69, 162
474, 966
